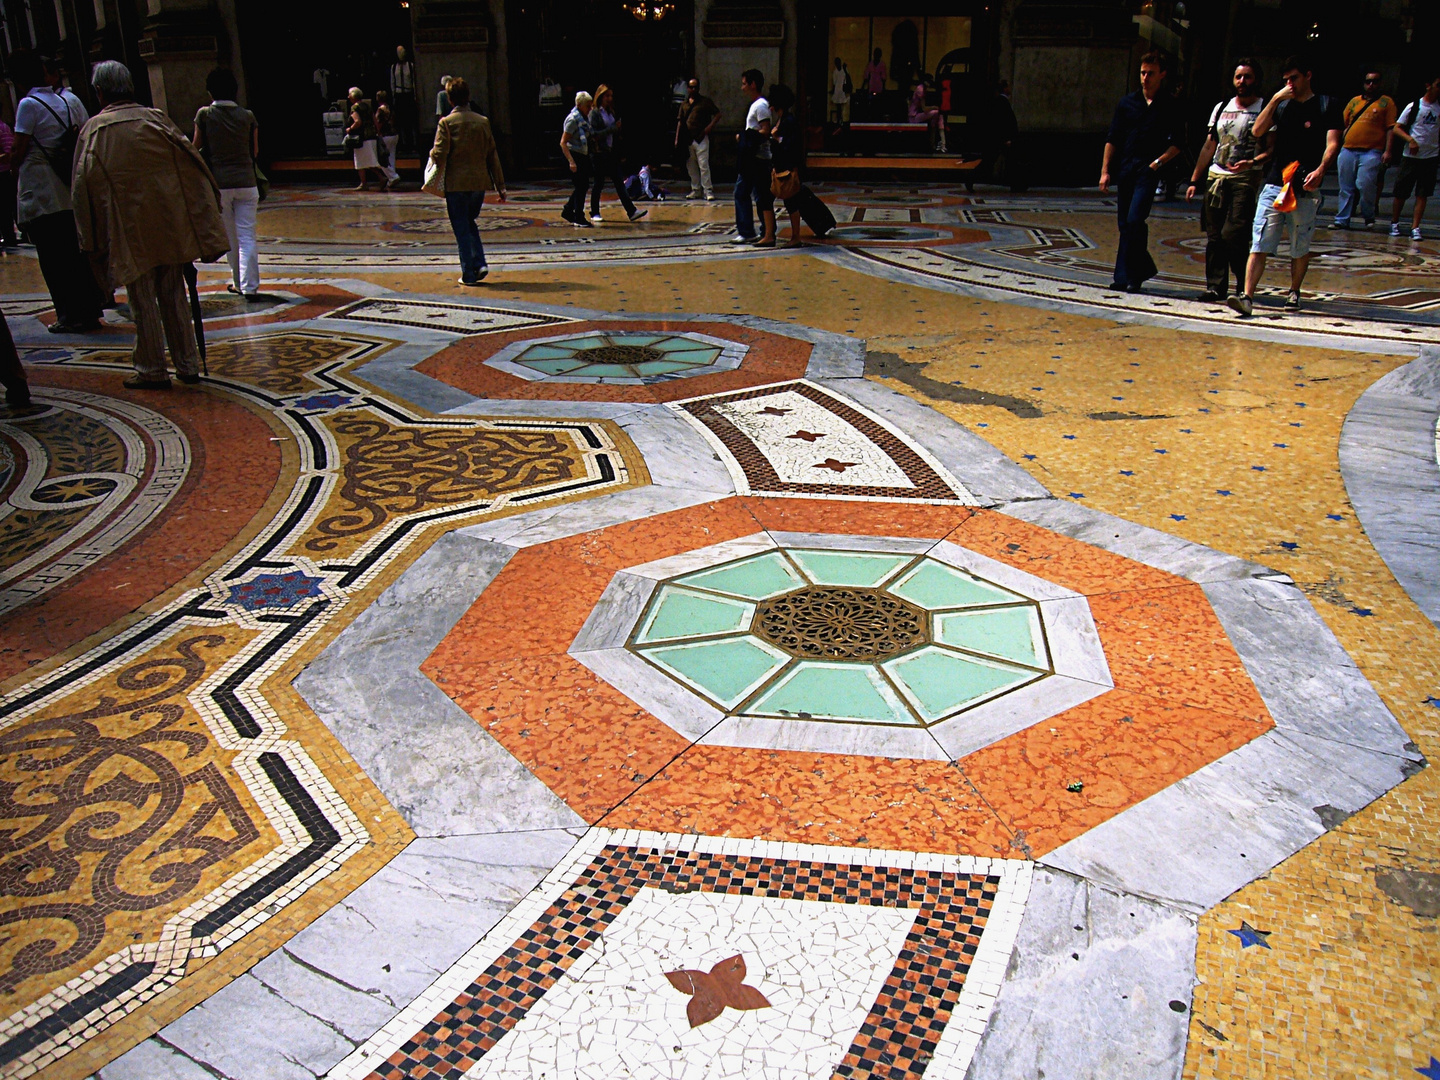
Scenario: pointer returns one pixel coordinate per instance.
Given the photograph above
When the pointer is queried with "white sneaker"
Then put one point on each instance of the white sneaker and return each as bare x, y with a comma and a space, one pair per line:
595, 217
694, 196
1395, 230
709, 198
638, 214
1415, 234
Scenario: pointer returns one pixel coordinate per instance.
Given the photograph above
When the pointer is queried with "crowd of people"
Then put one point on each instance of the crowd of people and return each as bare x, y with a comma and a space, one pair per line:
1260, 170
125, 199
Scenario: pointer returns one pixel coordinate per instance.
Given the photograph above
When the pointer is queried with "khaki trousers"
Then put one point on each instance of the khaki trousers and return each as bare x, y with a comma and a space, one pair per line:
161, 311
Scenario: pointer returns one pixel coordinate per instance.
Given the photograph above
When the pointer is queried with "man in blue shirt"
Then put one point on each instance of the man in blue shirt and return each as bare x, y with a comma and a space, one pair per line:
575, 145
1144, 136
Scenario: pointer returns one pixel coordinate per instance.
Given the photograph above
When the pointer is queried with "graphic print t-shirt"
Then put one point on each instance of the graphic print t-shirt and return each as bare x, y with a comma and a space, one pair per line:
1230, 124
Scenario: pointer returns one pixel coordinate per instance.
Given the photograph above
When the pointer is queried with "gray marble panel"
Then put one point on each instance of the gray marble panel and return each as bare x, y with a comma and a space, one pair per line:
1089, 989
154, 1059
675, 453
1388, 460
1203, 837
841, 542
395, 370
1002, 574
983, 470
428, 757
544, 524
1075, 647
306, 1006
661, 696
559, 410
701, 558
1003, 716
615, 613
1307, 680
1148, 546
818, 736
246, 1031
837, 358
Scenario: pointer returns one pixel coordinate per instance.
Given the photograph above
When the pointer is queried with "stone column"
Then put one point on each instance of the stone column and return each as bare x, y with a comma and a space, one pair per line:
736, 35
453, 37
182, 41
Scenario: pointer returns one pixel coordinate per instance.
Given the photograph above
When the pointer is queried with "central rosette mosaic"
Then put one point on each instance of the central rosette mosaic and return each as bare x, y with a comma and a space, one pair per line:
866, 637
841, 624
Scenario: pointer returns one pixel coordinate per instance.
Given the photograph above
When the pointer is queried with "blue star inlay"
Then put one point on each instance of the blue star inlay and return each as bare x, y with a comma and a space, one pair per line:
1162, 451
1127, 472
1029, 457
1289, 545
1249, 936
1203, 410
1186, 431
1334, 517
1077, 495
1257, 468
1363, 612
1177, 517
324, 401
1433, 702
274, 590
1049, 373
1067, 437
1432, 1070
1117, 399
1281, 446
1221, 491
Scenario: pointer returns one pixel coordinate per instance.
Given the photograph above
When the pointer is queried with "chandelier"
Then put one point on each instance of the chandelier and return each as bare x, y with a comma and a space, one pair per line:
648, 10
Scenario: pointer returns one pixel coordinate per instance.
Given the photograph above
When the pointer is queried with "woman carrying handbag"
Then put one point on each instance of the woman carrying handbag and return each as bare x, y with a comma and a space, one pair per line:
800, 201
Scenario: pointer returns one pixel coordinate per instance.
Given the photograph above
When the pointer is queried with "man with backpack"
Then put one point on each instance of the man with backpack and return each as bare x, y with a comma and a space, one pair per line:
47, 126
1304, 130
1228, 172
1419, 127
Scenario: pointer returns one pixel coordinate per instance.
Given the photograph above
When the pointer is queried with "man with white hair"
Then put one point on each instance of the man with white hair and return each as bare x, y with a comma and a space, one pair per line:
575, 145
146, 206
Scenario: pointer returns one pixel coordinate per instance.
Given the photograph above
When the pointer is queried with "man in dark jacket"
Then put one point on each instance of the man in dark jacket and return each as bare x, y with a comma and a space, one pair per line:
1144, 136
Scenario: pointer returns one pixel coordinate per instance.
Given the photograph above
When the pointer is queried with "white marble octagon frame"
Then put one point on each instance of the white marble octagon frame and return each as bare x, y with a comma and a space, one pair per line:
1080, 671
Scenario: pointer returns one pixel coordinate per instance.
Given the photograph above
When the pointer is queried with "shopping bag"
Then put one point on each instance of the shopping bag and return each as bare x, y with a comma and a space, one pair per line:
434, 181
1285, 203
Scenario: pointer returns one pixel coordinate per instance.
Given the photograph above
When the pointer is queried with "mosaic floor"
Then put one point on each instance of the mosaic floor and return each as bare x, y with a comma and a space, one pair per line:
896, 658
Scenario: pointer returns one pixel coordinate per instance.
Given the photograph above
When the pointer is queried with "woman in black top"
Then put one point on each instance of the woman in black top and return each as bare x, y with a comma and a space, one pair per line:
786, 150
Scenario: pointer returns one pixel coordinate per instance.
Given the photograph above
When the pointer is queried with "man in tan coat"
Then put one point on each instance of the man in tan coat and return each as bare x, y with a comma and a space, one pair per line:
465, 154
145, 207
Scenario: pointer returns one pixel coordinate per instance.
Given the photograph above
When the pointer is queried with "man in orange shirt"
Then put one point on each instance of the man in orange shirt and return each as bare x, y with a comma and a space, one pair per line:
1368, 120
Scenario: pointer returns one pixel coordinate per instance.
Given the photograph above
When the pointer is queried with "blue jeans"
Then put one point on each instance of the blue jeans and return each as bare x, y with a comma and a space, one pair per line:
463, 208
1134, 195
752, 183
1359, 175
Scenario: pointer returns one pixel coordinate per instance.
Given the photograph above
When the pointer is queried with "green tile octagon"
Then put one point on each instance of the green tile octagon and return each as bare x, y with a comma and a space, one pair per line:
840, 656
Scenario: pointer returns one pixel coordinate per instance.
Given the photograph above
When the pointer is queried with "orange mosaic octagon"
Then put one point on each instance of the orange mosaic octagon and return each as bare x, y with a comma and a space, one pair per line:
1181, 698
769, 358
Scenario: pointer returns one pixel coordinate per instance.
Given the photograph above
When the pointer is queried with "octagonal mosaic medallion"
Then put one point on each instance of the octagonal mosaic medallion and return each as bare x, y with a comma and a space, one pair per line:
623, 358
811, 634
845, 644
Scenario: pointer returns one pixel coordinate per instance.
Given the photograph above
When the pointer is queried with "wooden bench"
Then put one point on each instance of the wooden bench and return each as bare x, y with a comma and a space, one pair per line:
869, 133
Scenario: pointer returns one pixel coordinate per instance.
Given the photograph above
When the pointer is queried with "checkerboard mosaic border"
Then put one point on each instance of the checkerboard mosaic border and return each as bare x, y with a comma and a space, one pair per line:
755, 475
318, 830
929, 1013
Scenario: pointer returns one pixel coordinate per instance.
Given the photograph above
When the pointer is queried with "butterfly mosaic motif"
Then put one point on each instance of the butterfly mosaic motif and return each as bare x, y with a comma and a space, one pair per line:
712, 992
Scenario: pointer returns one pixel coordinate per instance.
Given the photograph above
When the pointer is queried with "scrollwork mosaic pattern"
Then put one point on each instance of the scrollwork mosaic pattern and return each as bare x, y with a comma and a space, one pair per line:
154, 807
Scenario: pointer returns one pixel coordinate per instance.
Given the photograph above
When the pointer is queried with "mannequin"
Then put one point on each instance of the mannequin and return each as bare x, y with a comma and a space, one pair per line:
402, 99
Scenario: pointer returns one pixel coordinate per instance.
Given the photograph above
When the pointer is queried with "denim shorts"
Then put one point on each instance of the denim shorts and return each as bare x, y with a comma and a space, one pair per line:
1270, 223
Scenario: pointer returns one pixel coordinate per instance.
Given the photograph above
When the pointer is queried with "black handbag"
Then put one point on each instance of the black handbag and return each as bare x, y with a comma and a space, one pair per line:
353, 143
